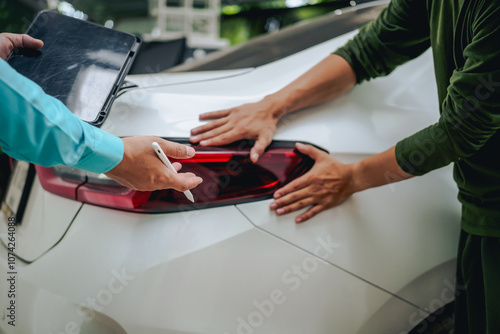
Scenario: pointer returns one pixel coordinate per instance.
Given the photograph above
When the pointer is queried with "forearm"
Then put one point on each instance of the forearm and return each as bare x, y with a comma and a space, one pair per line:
377, 170
328, 79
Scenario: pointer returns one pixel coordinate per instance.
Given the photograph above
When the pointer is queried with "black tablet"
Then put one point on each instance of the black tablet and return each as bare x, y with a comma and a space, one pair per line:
81, 63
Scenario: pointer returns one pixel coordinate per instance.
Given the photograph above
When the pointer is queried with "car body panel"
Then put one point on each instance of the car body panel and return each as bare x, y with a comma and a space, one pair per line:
164, 79
36, 307
142, 281
175, 109
378, 231
42, 226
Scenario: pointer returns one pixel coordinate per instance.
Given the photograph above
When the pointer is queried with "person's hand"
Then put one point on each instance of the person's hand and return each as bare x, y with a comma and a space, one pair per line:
248, 121
327, 184
141, 169
10, 41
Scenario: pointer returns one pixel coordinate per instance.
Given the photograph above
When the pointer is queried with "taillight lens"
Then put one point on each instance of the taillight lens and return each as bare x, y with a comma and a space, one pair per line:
229, 177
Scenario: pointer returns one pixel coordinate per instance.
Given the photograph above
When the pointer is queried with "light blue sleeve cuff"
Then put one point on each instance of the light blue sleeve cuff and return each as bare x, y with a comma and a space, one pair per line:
107, 151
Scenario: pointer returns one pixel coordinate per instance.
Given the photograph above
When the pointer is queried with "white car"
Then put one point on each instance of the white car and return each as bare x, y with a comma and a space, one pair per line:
94, 257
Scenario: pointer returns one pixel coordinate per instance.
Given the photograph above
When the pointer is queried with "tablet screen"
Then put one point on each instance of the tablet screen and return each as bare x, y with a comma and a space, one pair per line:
81, 63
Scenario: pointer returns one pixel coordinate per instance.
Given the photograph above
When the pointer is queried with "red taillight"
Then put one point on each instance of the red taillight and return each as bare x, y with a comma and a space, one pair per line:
57, 183
229, 177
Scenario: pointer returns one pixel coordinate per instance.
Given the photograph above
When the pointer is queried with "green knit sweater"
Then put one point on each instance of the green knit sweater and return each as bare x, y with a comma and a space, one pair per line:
465, 40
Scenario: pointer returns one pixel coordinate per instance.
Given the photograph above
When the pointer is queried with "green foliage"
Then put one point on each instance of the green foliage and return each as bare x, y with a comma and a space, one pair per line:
15, 17
236, 30
252, 19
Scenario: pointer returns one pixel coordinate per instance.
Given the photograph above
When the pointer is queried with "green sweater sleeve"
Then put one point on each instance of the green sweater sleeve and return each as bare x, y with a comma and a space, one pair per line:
470, 109
470, 112
399, 34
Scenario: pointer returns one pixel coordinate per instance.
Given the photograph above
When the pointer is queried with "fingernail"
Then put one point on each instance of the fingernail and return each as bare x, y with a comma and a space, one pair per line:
204, 142
195, 138
190, 151
277, 195
298, 220
273, 206
255, 157
300, 145
280, 211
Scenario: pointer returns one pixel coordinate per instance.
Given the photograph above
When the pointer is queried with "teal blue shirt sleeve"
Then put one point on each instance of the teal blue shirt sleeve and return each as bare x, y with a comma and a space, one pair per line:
38, 128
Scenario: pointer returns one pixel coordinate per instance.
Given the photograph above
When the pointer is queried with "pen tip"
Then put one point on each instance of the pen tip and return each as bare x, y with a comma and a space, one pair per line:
189, 196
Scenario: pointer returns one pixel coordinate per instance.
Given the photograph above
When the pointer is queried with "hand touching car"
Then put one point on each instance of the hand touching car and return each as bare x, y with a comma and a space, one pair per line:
327, 184
330, 78
248, 121
330, 182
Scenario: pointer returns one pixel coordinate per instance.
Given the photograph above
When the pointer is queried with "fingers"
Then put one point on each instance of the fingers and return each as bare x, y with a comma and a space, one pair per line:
309, 213
260, 145
23, 41
295, 185
223, 138
297, 201
176, 150
309, 150
183, 181
214, 114
177, 166
219, 136
30, 42
292, 197
165, 178
292, 202
205, 128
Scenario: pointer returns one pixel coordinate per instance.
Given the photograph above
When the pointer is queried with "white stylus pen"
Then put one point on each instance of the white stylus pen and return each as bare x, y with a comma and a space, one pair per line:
159, 152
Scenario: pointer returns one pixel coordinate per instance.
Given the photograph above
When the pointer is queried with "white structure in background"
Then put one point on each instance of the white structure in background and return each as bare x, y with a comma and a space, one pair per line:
197, 20
66, 8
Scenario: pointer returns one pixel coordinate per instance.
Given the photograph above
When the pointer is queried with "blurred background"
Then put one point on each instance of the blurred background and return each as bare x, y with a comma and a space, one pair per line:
238, 20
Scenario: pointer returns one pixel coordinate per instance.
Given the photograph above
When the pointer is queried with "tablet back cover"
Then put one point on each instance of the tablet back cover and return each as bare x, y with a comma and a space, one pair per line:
81, 63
